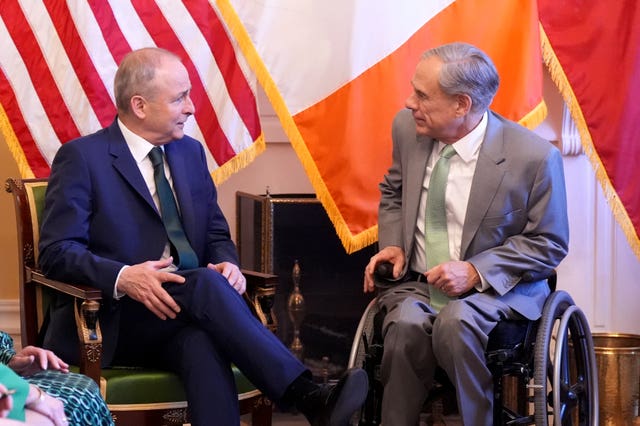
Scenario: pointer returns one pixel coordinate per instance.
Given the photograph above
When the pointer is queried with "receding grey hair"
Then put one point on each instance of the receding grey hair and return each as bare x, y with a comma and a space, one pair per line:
135, 75
466, 70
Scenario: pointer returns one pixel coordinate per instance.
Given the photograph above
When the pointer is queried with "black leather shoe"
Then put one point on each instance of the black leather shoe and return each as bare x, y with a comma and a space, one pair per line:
333, 405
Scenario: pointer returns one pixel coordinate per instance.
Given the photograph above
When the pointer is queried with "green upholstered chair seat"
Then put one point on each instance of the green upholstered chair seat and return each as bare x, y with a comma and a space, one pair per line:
130, 385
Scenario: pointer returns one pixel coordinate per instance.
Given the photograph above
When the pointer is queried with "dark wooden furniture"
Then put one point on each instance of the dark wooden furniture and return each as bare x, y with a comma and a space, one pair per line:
276, 230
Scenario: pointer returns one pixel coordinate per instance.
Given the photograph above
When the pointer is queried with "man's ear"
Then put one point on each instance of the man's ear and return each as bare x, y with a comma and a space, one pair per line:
138, 106
464, 104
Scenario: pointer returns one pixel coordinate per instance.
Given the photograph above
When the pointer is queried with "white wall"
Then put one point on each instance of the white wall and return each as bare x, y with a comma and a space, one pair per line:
277, 168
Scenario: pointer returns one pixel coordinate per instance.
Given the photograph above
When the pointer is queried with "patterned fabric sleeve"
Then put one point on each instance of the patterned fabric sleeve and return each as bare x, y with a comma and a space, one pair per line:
83, 404
6, 348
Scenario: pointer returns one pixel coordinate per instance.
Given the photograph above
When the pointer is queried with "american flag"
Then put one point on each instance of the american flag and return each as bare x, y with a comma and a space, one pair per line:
58, 59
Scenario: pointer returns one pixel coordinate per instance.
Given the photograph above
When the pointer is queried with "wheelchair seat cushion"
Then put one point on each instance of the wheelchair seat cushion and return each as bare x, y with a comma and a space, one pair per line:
508, 334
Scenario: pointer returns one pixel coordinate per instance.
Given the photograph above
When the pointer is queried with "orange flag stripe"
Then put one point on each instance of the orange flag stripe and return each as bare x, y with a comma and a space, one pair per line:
344, 140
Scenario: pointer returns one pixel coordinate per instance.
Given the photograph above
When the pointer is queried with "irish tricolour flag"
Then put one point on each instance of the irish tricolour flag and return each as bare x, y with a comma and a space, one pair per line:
337, 71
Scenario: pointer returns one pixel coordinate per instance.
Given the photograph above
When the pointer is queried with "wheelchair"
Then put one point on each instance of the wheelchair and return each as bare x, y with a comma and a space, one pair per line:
544, 371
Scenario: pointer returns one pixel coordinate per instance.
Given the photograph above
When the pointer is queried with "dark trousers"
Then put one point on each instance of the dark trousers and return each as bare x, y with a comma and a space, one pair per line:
214, 329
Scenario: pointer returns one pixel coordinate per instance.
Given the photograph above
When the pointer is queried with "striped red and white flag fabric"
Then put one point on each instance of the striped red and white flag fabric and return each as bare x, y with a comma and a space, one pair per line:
337, 71
592, 50
58, 60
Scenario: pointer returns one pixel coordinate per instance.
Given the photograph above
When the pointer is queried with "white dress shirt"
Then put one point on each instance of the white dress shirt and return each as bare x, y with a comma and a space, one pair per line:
461, 170
140, 149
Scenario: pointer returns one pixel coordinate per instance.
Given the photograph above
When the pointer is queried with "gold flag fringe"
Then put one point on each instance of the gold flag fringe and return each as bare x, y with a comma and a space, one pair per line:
14, 146
239, 161
560, 79
535, 117
350, 242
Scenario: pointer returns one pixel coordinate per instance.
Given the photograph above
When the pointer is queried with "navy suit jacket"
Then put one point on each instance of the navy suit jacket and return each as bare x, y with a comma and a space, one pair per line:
99, 216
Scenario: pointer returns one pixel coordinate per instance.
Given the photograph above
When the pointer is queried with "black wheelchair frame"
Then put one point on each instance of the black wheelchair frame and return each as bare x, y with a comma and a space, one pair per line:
552, 360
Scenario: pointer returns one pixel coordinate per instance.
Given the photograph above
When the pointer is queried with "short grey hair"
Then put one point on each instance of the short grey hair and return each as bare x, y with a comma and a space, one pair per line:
466, 70
136, 73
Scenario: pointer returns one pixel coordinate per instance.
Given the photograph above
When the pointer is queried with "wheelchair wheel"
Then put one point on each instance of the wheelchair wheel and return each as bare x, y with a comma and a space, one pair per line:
363, 336
366, 353
565, 379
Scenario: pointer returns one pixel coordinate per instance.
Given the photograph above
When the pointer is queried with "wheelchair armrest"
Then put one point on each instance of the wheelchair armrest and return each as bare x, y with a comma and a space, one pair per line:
383, 276
260, 296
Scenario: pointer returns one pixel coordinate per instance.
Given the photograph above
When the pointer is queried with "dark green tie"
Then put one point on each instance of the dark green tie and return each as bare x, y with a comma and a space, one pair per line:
435, 230
184, 256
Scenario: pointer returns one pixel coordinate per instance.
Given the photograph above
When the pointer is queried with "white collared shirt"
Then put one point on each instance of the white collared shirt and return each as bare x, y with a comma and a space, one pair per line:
140, 148
461, 170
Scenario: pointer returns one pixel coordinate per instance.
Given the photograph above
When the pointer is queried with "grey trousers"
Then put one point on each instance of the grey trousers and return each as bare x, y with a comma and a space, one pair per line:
417, 339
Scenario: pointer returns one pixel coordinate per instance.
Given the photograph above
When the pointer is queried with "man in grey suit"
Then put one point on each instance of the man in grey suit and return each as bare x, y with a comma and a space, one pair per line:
506, 227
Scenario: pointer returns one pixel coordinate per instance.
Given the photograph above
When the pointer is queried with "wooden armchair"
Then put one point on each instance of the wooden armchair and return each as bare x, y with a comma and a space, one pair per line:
135, 396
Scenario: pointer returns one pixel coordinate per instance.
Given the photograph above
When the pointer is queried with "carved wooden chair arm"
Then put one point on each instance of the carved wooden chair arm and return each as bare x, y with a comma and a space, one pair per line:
87, 304
75, 290
260, 296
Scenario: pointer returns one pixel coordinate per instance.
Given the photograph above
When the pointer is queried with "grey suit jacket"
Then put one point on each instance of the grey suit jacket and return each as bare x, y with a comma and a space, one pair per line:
516, 228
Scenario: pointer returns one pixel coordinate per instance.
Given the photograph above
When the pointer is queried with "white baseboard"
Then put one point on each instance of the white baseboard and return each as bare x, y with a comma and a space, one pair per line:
10, 318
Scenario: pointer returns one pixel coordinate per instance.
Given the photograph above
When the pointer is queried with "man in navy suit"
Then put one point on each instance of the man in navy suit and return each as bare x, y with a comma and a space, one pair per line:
102, 226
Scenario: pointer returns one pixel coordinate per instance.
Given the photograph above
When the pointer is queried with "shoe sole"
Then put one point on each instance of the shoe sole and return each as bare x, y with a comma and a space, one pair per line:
352, 396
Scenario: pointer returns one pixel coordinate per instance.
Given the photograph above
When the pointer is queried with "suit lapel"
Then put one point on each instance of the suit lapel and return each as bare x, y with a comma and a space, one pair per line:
490, 170
124, 163
417, 166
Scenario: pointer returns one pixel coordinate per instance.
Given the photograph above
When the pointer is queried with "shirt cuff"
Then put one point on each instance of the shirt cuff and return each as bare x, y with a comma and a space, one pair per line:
117, 295
483, 285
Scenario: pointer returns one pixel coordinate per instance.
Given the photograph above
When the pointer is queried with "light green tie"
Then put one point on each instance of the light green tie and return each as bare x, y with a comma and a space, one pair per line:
435, 230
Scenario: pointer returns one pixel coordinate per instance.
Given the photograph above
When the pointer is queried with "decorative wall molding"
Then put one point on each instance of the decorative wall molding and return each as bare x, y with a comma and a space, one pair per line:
571, 143
599, 271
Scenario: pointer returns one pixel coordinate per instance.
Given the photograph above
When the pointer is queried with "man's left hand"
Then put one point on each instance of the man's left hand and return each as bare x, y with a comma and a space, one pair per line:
232, 273
453, 278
